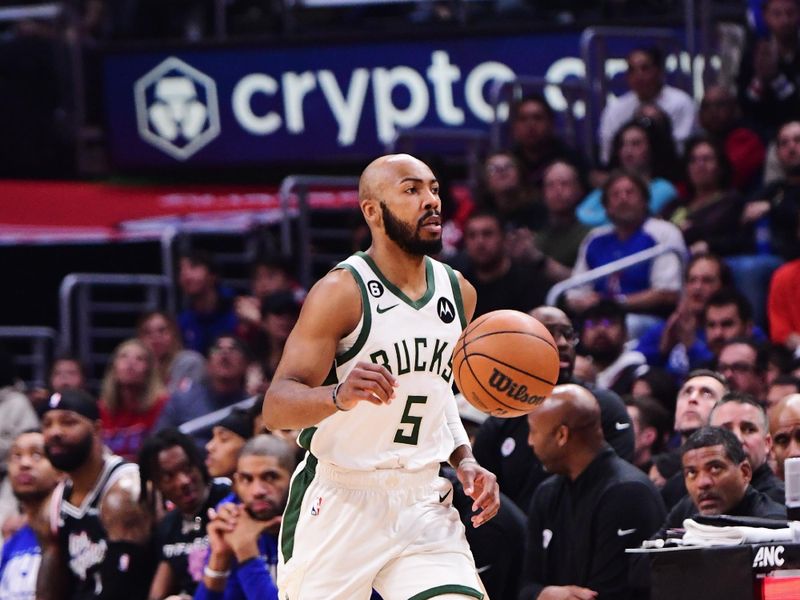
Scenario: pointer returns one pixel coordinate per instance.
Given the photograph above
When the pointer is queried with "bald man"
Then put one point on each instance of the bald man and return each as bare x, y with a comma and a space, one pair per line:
502, 444
784, 425
366, 373
596, 505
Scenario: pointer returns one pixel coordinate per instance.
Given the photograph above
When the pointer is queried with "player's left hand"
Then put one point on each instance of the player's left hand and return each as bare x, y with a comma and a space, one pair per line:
480, 485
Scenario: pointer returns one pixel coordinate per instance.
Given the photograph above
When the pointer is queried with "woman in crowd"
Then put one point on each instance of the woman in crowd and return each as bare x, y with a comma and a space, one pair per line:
131, 398
177, 367
505, 192
644, 147
709, 214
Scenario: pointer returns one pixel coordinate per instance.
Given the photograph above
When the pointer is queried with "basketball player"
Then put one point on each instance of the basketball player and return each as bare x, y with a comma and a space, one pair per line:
367, 374
95, 543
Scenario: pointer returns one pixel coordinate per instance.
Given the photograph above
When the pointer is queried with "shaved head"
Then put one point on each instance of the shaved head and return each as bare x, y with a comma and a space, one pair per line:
549, 313
381, 171
565, 430
399, 197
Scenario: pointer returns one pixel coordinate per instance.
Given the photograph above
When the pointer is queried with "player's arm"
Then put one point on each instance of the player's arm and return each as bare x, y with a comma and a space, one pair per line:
296, 397
163, 582
468, 295
52, 582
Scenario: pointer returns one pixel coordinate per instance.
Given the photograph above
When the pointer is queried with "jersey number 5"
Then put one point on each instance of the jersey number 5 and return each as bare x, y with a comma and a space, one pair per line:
410, 435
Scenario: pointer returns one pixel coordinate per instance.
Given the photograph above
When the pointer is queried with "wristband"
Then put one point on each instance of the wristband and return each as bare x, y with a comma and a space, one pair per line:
334, 395
468, 459
212, 574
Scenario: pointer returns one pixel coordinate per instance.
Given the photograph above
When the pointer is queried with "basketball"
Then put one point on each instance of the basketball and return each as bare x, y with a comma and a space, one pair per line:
505, 363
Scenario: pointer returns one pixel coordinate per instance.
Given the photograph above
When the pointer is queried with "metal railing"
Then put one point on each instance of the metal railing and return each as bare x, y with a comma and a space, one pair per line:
35, 362
609, 269
299, 186
80, 311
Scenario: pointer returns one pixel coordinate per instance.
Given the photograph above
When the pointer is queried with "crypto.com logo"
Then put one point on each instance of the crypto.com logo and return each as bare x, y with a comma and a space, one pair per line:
176, 108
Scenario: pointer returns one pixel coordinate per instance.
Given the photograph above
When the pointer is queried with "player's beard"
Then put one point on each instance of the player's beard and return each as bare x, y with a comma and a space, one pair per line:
76, 454
408, 239
32, 496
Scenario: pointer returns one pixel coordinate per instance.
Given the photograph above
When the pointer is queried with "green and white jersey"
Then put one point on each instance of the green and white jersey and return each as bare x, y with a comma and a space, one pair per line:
413, 340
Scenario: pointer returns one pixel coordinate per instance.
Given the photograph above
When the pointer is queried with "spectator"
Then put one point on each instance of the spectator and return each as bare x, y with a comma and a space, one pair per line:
178, 368
781, 386
209, 311
639, 148
501, 444
769, 74
227, 439
679, 343
665, 466
244, 536
227, 364
279, 312
172, 470
32, 479
727, 316
562, 234
507, 194
739, 413
131, 398
17, 416
603, 339
783, 310
67, 372
779, 201
717, 475
721, 119
646, 79
535, 142
501, 282
709, 214
650, 287
268, 276
658, 384
99, 533
594, 507
779, 362
744, 363
784, 425
651, 429
697, 396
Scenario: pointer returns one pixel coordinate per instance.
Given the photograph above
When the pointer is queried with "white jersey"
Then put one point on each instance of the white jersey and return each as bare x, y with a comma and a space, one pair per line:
413, 340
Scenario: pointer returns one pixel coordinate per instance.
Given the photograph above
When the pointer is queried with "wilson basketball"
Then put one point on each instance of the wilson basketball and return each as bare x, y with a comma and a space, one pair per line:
505, 363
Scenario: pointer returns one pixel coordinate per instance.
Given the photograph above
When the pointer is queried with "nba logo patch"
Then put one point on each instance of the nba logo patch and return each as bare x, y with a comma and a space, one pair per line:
124, 562
317, 507
55, 400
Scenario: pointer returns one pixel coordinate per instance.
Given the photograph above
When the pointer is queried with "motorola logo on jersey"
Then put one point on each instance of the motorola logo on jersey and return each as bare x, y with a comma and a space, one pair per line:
445, 310
375, 288
176, 108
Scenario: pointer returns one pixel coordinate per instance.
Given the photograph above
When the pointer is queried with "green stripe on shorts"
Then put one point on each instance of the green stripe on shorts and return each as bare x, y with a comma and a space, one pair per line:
297, 490
448, 589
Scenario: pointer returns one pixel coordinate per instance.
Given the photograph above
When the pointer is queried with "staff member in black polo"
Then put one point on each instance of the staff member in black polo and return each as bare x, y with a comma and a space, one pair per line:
502, 444
582, 519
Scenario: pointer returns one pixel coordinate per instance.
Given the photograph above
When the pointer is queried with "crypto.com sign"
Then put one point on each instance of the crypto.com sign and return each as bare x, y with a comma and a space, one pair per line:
245, 106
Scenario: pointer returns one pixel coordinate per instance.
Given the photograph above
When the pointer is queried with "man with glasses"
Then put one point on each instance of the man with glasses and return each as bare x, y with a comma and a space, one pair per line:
502, 444
227, 365
785, 428
744, 363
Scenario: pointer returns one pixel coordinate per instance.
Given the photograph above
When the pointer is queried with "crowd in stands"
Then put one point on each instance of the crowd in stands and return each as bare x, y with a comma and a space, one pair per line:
679, 384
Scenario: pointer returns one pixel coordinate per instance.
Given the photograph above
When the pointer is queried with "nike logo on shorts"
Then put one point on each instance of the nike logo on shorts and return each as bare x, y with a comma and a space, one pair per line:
624, 532
382, 310
442, 498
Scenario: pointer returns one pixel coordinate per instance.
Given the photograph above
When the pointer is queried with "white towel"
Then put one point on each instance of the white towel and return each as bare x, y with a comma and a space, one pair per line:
698, 534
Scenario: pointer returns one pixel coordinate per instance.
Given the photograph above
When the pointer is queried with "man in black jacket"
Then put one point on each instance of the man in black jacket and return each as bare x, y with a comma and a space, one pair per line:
741, 415
501, 444
718, 475
582, 520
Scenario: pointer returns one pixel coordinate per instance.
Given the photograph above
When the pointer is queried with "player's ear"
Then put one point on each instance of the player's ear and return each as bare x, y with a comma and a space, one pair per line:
562, 435
371, 210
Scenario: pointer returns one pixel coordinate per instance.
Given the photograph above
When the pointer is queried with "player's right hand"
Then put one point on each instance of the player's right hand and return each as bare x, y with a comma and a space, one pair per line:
366, 382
